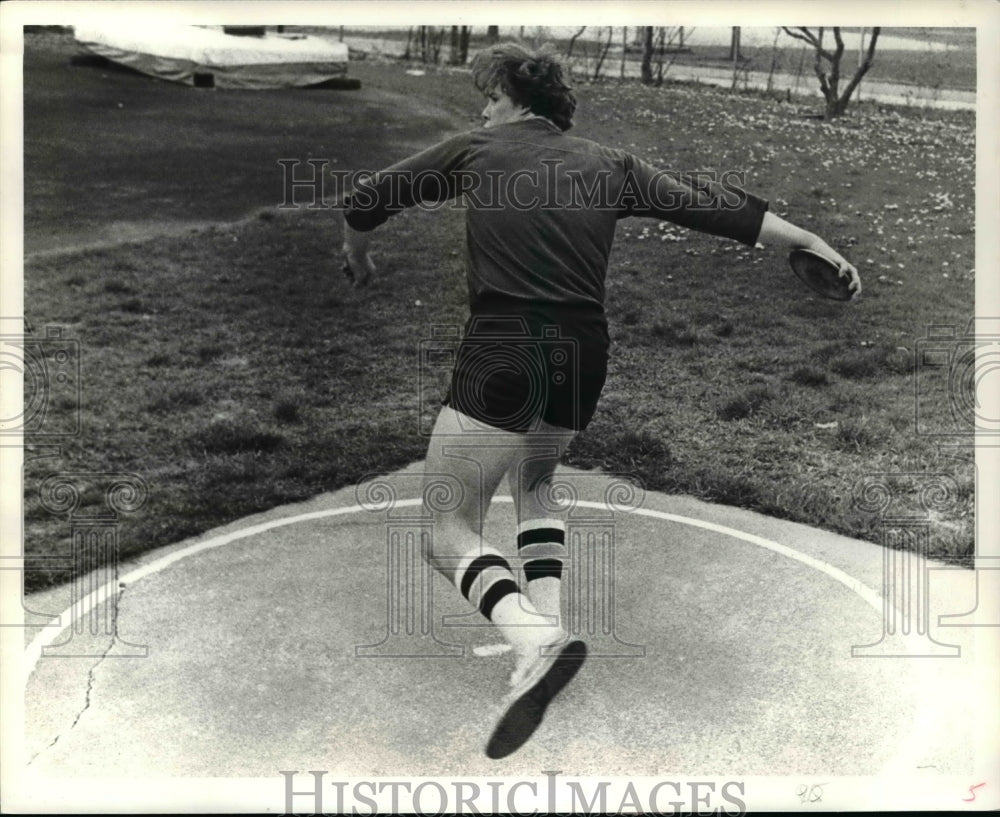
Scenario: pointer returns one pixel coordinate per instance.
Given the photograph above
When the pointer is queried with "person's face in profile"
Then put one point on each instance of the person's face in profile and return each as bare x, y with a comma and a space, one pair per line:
500, 108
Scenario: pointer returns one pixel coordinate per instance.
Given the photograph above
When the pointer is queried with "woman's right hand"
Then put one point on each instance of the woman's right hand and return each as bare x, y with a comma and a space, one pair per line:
358, 264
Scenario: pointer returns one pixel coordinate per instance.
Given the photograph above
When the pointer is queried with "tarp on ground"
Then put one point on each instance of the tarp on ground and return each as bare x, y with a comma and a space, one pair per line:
179, 52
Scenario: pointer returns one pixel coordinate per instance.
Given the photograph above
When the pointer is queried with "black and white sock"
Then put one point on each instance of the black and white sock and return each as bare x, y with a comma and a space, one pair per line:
541, 544
485, 578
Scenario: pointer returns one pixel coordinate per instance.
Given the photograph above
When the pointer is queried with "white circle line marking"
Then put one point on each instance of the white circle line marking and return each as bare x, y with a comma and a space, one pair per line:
860, 588
83, 607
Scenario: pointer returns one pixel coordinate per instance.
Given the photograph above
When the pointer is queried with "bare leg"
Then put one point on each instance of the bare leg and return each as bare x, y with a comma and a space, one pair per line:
530, 482
478, 456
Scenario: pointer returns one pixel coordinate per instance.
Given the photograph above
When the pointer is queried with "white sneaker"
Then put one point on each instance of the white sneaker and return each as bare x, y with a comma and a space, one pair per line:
525, 707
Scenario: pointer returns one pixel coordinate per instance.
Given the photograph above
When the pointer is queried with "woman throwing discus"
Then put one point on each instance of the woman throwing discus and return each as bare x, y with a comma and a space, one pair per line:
541, 212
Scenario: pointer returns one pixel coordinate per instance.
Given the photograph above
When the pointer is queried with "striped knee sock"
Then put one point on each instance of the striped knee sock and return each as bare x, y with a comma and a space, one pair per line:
541, 546
485, 578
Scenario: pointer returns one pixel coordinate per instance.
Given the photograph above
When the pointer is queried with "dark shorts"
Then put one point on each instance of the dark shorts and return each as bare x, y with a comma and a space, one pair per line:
541, 364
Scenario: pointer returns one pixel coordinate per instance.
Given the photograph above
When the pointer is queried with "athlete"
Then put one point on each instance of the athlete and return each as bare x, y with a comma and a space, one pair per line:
541, 211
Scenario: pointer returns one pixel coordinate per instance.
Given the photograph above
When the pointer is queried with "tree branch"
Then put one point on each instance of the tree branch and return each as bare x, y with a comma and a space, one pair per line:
572, 42
824, 84
809, 37
863, 68
870, 56
835, 62
839, 40
806, 39
603, 54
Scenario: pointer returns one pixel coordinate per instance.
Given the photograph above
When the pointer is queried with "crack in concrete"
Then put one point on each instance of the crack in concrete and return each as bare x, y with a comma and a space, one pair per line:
90, 676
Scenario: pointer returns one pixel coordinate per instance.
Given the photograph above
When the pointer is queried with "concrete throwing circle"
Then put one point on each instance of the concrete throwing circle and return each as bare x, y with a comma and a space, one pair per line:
714, 650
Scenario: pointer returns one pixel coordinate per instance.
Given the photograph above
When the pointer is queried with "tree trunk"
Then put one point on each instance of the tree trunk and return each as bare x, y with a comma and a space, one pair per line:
861, 58
463, 45
661, 42
734, 45
735, 57
774, 59
437, 40
453, 47
621, 72
647, 55
492, 34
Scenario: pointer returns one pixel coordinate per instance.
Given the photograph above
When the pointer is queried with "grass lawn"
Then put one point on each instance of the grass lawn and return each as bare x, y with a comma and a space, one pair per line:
230, 367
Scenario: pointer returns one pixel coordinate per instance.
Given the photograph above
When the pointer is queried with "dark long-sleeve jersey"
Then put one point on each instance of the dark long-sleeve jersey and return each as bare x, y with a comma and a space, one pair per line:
541, 207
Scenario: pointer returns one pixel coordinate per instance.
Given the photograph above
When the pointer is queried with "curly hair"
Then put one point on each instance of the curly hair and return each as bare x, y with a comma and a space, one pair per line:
532, 80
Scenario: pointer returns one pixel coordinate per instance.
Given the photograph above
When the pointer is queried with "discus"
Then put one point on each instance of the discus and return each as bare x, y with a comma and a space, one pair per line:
821, 275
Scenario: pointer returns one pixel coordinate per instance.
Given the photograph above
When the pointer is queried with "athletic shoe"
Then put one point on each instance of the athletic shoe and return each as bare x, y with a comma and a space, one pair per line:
525, 706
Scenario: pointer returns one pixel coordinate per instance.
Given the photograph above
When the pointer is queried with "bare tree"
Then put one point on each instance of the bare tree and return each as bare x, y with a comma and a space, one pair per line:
621, 71
827, 66
436, 41
661, 44
736, 55
647, 55
774, 59
572, 42
603, 52
463, 44
665, 44
734, 45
